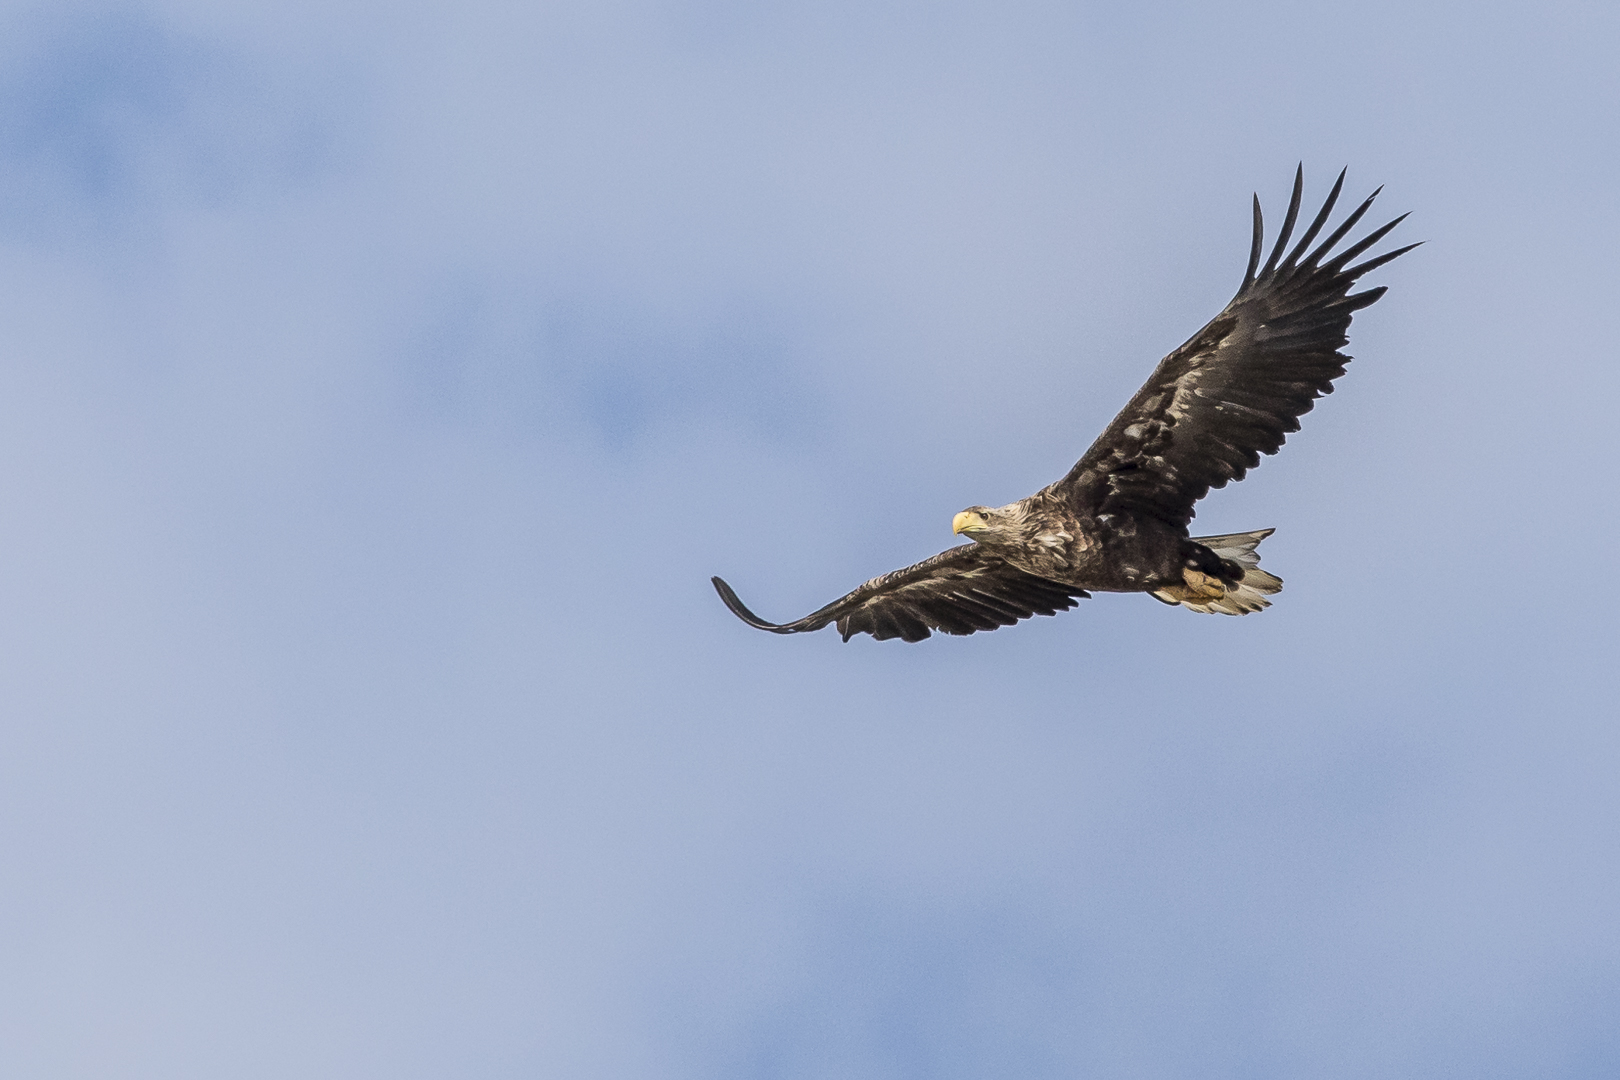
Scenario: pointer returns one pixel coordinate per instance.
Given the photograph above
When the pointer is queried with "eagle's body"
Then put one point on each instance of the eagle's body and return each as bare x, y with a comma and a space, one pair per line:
1117, 522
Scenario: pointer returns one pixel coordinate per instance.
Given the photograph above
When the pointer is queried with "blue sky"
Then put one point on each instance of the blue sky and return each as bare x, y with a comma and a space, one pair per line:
381, 385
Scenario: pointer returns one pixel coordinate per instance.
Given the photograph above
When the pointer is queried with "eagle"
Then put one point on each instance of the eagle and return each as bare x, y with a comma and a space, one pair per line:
1118, 521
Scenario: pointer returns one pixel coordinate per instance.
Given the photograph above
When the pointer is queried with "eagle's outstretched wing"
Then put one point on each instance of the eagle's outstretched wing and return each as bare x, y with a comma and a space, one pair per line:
1239, 386
958, 591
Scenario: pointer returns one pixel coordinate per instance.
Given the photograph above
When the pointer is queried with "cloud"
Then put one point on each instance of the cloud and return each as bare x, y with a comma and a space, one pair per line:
108, 115
609, 369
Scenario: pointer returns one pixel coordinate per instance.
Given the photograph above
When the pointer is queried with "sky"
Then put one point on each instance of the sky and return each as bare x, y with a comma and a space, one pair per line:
380, 384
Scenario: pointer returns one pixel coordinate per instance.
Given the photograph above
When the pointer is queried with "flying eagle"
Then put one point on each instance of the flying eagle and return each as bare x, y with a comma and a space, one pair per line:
1118, 521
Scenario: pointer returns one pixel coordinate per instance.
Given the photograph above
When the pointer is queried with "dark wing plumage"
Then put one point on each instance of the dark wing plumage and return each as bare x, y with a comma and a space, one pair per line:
1238, 387
958, 591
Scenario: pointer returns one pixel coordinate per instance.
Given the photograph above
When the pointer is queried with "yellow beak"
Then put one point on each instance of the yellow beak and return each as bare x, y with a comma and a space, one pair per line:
963, 521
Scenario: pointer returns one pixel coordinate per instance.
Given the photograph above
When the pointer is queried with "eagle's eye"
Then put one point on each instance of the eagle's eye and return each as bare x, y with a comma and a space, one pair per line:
984, 514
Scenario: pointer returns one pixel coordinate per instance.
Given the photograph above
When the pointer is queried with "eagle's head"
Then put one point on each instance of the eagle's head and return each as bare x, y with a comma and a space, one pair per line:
986, 525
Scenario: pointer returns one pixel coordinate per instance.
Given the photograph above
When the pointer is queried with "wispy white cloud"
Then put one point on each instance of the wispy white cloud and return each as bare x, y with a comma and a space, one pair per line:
109, 115
607, 368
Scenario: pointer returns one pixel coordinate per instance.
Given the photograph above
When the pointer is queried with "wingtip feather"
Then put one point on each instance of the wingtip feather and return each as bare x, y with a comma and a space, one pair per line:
1373, 264
1321, 219
1289, 219
1255, 244
729, 596
1344, 227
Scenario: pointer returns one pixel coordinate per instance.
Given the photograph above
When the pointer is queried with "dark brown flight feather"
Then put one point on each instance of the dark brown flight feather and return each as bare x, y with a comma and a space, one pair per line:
958, 591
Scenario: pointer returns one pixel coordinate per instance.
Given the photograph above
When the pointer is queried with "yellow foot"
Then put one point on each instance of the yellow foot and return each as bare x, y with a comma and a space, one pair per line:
1200, 588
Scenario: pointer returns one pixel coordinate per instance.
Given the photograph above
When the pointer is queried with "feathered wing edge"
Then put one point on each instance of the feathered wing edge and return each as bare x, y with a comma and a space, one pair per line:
1289, 266
960, 591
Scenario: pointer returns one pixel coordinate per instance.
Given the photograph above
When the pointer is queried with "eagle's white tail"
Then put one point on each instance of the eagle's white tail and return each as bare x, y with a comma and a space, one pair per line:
1208, 595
